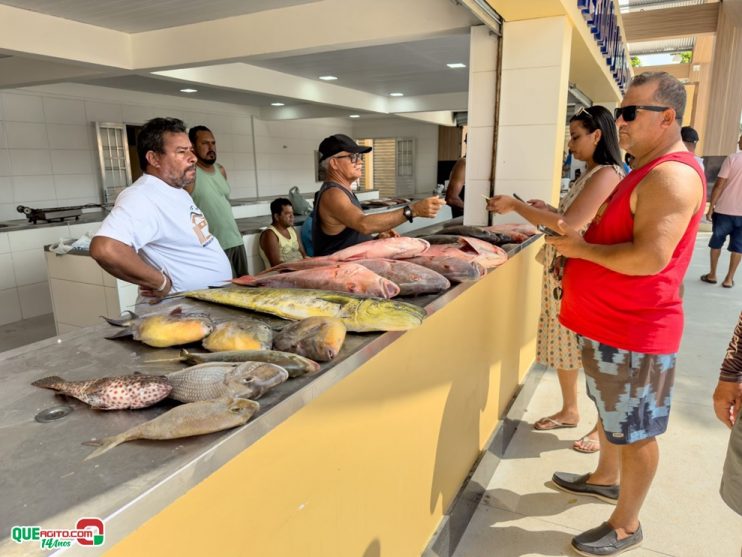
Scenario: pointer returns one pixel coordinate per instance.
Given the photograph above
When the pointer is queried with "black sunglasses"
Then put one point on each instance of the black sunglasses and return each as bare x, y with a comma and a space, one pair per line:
629, 112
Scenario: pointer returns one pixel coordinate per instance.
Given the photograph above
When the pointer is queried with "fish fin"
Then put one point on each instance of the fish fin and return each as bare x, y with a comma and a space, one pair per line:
123, 333
177, 311
244, 280
125, 320
104, 445
47, 382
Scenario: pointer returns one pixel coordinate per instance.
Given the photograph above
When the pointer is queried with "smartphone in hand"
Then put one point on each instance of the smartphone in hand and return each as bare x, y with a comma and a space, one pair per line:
547, 231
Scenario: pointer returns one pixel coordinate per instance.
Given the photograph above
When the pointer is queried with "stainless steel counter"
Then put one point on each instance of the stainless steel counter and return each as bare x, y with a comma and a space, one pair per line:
43, 478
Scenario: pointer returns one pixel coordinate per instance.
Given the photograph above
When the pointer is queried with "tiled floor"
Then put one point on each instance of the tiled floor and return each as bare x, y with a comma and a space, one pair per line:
521, 514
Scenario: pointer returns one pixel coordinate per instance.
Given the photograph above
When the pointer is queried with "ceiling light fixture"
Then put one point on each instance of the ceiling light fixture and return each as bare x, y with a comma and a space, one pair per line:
396, 94
278, 104
456, 65
189, 90
327, 77
354, 116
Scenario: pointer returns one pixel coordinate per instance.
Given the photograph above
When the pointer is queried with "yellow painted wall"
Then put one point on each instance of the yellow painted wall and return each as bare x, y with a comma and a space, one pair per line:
369, 467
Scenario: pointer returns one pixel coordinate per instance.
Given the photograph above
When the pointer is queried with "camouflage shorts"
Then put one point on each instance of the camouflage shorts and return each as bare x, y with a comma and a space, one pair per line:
632, 390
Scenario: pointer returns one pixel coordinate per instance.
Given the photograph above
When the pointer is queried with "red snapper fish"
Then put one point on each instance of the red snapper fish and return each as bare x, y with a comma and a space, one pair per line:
402, 247
487, 259
112, 393
412, 279
517, 231
340, 277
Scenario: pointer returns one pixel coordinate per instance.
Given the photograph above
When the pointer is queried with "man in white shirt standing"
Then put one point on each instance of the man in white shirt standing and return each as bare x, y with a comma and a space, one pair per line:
156, 236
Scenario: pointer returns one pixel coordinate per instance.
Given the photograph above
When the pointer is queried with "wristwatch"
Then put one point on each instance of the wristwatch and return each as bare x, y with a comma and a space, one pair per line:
407, 212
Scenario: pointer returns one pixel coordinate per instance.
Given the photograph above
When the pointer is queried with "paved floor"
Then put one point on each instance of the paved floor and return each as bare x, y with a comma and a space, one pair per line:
20, 333
521, 514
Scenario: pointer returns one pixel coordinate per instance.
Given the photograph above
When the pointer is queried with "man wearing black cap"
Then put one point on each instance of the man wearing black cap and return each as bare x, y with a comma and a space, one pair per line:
339, 221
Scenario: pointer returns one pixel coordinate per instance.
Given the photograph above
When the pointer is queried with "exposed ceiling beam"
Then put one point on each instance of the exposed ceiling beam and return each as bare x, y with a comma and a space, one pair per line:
38, 35
303, 29
668, 23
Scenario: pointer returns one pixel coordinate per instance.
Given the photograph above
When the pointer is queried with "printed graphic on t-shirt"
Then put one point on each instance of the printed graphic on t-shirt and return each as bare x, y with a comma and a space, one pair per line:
201, 227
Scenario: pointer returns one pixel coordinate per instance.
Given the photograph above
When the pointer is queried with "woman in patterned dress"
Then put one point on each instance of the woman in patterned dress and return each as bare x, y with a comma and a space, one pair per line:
593, 139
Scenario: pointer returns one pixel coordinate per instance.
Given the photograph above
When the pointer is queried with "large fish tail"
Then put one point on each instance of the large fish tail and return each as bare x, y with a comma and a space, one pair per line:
124, 322
106, 444
47, 382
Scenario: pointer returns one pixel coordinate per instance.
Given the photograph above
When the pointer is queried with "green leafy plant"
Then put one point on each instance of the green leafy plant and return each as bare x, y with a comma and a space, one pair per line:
635, 62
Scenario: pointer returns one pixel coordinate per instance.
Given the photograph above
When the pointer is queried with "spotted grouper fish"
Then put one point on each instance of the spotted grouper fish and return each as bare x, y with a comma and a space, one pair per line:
112, 393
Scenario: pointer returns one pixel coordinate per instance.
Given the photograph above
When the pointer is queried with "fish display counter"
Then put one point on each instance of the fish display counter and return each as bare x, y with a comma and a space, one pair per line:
361, 458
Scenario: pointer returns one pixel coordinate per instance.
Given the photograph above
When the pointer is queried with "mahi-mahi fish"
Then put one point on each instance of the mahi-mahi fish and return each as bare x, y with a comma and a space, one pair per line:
239, 335
318, 338
112, 393
186, 420
219, 379
162, 330
358, 314
338, 277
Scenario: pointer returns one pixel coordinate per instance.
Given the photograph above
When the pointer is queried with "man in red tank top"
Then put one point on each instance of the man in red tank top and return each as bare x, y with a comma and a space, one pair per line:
620, 294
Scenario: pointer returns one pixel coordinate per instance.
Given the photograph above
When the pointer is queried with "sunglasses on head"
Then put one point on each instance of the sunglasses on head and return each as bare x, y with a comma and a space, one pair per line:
629, 112
583, 112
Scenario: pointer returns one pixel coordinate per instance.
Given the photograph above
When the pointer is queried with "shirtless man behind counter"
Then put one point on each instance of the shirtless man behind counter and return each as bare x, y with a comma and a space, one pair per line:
339, 221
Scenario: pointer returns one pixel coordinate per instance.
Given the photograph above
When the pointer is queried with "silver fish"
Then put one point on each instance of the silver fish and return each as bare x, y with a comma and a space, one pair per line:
218, 379
186, 420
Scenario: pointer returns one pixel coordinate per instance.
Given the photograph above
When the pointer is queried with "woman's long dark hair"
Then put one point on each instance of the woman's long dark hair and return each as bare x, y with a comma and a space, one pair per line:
599, 118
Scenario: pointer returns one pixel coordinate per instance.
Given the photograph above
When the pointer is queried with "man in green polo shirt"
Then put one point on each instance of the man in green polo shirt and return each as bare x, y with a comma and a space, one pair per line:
211, 192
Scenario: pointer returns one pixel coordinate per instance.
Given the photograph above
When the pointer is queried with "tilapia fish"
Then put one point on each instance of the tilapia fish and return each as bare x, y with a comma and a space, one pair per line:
478, 232
239, 335
219, 379
318, 338
294, 364
338, 277
455, 269
161, 331
412, 279
112, 393
402, 247
358, 314
186, 420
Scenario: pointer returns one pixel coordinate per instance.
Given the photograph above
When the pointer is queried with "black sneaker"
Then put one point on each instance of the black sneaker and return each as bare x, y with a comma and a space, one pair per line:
574, 483
604, 541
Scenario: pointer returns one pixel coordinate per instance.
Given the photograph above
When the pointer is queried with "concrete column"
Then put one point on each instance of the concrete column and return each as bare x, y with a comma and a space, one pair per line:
481, 120
725, 100
533, 108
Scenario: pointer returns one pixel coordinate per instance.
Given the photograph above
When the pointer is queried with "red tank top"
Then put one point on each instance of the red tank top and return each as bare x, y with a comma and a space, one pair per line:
636, 313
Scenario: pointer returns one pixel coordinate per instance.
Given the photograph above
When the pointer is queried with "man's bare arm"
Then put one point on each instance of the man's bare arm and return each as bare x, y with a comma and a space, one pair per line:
124, 263
337, 211
719, 187
456, 184
666, 200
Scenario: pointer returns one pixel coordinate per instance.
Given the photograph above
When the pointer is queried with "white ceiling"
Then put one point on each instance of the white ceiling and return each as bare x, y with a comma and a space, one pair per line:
412, 68
135, 16
406, 55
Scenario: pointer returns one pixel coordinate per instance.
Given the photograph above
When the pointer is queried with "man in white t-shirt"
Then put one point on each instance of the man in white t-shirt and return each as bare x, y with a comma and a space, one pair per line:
156, 236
